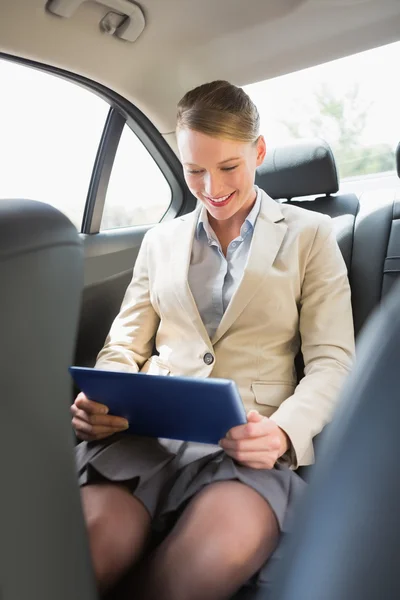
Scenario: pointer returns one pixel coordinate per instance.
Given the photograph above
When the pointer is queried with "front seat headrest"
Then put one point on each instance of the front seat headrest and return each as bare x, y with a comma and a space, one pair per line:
304, 168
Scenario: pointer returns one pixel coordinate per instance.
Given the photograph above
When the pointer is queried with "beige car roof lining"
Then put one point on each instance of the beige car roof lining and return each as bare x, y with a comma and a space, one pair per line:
187, 42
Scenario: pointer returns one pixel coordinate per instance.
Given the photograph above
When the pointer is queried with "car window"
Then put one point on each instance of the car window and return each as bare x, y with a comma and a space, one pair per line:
50, 132
138, 193
352, 103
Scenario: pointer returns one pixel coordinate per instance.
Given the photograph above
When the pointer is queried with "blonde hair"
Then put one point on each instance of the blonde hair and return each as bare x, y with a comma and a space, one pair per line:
219, 109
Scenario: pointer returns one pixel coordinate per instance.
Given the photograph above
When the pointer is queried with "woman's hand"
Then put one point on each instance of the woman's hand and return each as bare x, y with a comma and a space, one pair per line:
91, 421
258, 444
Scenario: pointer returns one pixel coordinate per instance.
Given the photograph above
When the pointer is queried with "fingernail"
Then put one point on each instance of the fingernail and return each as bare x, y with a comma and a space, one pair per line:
105, 410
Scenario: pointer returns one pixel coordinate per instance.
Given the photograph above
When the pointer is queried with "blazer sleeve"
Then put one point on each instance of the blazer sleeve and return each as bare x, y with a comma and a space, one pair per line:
131, 339
327, 343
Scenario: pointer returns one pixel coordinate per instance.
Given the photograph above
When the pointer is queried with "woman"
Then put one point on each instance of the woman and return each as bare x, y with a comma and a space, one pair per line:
227, 291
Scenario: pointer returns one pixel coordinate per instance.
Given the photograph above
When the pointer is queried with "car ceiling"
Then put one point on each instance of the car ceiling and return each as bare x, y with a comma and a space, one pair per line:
188, 42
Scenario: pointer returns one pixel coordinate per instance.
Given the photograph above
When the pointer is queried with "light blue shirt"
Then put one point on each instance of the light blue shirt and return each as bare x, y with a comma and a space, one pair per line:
214, 278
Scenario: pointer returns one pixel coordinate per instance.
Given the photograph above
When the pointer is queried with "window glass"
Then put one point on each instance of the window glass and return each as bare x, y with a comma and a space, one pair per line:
353, 103
50, 132
138, 193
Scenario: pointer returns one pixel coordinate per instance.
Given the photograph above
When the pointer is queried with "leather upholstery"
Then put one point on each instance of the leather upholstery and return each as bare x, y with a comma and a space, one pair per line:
307, 168
43, 541
304, 168
346, 538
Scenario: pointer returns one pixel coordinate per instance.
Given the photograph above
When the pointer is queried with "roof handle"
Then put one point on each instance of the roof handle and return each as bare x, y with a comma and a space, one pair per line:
129, 28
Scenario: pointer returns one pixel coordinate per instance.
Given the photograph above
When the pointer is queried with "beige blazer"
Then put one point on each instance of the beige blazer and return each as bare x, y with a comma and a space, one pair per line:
294, 293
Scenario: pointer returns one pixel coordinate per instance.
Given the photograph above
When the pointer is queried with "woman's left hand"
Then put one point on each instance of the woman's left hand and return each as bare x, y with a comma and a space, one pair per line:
258, 444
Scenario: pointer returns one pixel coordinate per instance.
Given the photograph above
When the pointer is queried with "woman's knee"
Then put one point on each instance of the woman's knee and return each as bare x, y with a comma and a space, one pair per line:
225, 535
117, 525
230, 521
111, 500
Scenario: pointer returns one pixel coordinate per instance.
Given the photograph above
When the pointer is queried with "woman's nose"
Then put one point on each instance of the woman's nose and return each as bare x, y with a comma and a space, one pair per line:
212, 186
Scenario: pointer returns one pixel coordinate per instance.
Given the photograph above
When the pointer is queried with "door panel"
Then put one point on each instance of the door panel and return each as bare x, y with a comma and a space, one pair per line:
109, 260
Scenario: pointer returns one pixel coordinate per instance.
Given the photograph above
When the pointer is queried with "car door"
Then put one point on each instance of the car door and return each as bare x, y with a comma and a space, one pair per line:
77, 145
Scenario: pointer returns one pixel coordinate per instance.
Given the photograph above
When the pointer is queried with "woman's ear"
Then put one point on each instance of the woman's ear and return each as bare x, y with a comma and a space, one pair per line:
261, 150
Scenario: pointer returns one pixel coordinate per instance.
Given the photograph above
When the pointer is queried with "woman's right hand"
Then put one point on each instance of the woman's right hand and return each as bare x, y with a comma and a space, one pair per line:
91, 421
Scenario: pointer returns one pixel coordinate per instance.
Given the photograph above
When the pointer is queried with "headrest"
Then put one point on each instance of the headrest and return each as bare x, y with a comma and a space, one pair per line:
304, 168
398, 159
27, 225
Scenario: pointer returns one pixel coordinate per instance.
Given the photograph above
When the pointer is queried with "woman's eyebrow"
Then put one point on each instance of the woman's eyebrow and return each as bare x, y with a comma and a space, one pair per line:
229, 160
220, 163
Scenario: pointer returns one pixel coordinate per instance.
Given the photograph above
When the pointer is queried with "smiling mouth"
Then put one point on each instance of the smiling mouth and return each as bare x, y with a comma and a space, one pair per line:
219, 202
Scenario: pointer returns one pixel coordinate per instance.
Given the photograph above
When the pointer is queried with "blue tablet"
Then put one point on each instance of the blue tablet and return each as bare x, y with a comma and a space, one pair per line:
179, 408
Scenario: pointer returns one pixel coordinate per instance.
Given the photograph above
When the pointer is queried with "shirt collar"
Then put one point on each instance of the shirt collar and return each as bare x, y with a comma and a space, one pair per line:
204, 225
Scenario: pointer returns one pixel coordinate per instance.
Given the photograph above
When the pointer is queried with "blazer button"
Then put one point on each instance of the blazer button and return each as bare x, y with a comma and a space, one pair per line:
208, 358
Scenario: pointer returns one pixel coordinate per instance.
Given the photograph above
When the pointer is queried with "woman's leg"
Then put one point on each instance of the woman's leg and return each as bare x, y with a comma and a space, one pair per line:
118, 526
226, 533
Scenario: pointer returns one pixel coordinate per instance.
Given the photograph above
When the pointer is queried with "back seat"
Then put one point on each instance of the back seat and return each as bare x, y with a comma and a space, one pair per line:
304, 169
376, 257
368, 236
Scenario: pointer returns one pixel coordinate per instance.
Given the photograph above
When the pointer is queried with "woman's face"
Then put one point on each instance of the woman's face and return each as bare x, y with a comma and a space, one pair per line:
219, 172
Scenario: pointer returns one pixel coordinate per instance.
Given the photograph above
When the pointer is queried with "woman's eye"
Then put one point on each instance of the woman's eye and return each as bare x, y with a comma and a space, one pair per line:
193, 172
229, 168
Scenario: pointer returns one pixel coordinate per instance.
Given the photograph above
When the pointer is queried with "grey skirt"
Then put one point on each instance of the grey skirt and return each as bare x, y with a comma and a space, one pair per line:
164, 475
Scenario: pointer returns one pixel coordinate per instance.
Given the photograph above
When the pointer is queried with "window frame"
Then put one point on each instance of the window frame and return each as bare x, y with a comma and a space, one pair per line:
122, 112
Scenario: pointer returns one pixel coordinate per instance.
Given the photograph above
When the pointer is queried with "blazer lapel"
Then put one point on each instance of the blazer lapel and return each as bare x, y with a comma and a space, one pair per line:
179, 268
269, 231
